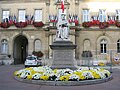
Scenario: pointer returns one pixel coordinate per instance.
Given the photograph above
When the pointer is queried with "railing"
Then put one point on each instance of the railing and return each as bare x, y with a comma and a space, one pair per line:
20, 24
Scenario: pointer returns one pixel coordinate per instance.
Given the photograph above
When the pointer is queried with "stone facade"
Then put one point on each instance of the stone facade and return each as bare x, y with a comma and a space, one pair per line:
86, 39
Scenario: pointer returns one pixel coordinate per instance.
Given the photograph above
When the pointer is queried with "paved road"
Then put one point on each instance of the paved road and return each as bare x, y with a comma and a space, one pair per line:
7, 82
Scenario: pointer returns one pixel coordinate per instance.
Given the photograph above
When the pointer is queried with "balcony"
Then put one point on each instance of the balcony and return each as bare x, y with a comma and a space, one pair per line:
21, 25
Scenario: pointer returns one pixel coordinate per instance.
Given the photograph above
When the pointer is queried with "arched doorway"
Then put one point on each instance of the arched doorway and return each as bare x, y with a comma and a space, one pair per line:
20, 49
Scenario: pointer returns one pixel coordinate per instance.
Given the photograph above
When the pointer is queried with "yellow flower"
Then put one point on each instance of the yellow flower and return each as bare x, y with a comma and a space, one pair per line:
101, 64
15, 73
96, 76
30, 68
44, 78
78, 73
64, 78
82, 77
29, 77
55, 70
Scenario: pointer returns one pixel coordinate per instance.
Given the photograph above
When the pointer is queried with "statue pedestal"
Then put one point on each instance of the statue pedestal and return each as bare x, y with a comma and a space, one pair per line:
63, 55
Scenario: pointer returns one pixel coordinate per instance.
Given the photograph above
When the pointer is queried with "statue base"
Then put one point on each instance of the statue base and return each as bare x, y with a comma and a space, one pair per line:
63, 55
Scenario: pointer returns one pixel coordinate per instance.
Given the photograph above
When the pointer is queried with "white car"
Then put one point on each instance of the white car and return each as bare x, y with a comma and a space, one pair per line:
32, 61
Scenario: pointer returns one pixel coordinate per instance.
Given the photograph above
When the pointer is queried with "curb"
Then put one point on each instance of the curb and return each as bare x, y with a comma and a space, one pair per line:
64, 83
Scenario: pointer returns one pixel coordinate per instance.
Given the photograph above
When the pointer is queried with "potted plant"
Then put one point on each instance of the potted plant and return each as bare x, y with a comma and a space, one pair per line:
38, 24
39, 54
87, 24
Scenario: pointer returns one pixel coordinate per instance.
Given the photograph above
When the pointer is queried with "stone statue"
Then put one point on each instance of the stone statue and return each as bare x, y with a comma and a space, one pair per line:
62, 28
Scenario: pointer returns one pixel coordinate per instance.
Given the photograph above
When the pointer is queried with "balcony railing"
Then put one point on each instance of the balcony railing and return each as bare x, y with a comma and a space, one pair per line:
101, 25
21, 24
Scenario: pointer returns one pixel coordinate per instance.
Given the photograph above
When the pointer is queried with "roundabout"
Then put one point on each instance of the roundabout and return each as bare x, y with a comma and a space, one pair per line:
44, 75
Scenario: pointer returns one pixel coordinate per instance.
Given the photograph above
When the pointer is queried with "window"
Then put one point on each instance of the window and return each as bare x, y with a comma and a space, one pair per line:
102, 15
60, 0
5, 15
4, 46
86, 16
57, 0
37, 45
86, 45
118, 46
118, 14
38, 15
103, 46
21, 15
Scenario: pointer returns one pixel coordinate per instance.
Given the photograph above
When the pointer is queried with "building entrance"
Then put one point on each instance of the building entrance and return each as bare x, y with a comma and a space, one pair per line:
20, 49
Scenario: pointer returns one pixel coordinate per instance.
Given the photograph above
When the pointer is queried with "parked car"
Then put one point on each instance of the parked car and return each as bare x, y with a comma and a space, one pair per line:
32, 60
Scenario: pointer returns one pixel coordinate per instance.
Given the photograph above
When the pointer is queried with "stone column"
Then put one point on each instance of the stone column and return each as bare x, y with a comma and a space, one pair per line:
47, 10
77, 7
30, 46
50, 42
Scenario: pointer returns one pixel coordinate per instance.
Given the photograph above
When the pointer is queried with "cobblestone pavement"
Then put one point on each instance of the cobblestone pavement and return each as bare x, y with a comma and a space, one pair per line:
7, 82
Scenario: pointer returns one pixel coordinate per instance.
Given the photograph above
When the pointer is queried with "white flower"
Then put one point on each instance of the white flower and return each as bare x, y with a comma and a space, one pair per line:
87, 74
36, 76
106, 72
83, 68
68, 71
38, 69
20, 71
47, 72
25, 73
60, 72
102, 75
74, 77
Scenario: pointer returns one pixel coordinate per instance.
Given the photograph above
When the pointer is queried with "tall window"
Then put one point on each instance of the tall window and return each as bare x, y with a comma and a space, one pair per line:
118, 46
21, 15
118, 14
60, 0
5, 15
86, 45
57, 0
102, 15
86, 15
37, 45
4, 46
103, 46
38, 15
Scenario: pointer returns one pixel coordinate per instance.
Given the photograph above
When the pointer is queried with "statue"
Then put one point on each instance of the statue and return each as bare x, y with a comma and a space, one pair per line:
62, 28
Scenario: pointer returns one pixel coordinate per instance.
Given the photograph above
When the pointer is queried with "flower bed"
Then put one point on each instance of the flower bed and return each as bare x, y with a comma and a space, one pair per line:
21, 24
117, 24
103, 25
87, 24
45, 73
5, 25
38, 24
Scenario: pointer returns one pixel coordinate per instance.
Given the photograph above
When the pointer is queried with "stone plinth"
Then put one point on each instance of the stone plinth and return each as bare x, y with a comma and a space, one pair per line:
63, 55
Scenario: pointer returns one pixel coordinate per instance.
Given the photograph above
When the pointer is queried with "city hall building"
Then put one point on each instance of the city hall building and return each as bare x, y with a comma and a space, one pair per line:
30, 25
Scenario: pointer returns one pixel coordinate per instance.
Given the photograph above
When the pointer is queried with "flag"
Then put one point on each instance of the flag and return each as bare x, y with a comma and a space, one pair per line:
62, 6
56, 18
26, 18
32, 19
10, 20
29, 19
70, 19
49, 17
14, 19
